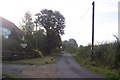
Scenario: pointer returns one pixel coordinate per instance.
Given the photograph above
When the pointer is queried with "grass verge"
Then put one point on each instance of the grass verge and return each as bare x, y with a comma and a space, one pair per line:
4, 75
43, 60
102, 71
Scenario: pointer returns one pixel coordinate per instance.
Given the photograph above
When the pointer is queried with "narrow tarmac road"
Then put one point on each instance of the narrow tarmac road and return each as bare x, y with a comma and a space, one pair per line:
68, 68
65, 67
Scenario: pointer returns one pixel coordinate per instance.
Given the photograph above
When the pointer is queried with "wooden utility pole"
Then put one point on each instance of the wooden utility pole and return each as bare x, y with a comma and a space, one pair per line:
93, 4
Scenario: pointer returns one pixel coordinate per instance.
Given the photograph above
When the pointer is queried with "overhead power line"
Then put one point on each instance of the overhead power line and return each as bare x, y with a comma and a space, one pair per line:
84, 14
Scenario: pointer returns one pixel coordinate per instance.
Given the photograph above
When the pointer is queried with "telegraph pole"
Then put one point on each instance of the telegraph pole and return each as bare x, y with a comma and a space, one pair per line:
93, 4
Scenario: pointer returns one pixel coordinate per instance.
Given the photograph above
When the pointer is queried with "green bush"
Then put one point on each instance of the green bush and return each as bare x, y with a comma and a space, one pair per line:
12, 50
11, 45
106, 56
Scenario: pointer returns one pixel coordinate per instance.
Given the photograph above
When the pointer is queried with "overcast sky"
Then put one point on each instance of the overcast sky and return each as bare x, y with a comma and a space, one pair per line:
77, 13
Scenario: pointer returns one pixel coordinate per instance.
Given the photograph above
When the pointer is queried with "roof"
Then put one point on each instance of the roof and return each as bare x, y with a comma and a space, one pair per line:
10, 25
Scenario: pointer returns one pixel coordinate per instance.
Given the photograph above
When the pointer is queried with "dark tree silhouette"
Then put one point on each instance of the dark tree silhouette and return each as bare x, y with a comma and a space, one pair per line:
13, 34
54, 23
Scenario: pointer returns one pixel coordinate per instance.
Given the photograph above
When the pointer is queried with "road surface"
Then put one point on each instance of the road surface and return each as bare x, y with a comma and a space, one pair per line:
68, 68
65, 67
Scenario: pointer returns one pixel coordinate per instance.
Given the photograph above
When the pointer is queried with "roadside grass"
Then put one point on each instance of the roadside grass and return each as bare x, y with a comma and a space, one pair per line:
32, 61
107, 73
4, 75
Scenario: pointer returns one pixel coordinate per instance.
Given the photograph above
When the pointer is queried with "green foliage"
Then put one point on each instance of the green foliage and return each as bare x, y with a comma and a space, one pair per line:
47, 39
51, 20
100, 70
54, 23
40, 40
70, 43
117, 56
27, 24
53, 41
13, 35
106, 56
12, 50
56, 52
28, 27
30, 40
10, 45
70, 46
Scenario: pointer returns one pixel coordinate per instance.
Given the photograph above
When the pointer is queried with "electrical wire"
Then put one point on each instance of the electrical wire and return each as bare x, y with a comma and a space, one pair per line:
102, 24
85, 13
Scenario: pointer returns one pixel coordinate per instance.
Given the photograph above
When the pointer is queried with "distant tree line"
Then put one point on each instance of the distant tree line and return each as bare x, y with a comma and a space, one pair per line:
70, 45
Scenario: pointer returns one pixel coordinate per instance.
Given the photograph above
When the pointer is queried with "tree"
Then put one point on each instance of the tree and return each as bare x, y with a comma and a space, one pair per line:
13, 34
71, 43
40, 40
27, 24
54, 23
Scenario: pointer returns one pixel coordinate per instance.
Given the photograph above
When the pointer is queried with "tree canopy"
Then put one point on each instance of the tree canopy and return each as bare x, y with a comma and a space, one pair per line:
54, 24
70, 43
51, 20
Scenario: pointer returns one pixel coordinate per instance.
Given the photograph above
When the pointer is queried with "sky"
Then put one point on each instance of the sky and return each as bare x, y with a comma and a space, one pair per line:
77, 13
